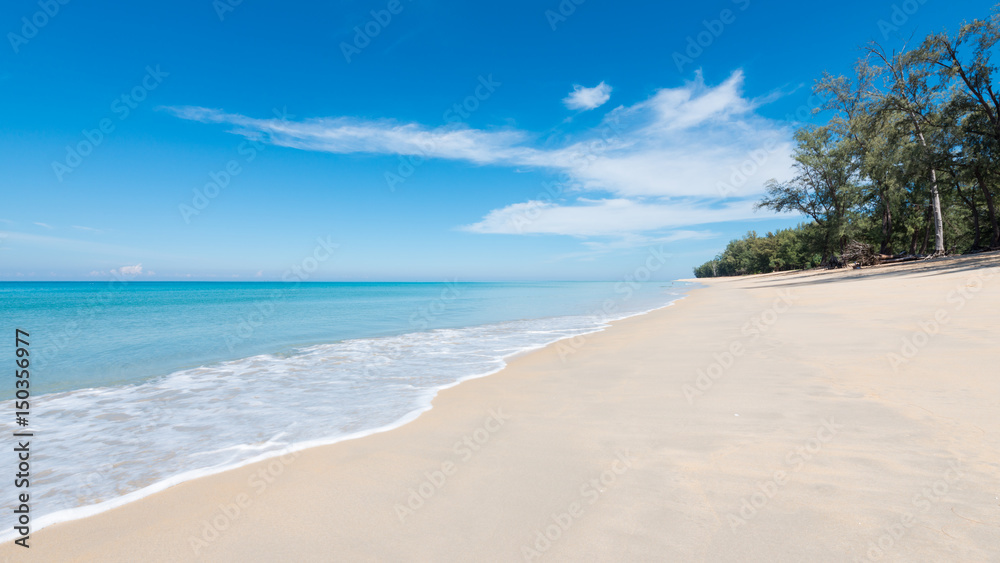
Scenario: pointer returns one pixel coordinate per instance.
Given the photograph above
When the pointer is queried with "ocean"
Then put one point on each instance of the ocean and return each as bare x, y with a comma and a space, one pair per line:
136, 386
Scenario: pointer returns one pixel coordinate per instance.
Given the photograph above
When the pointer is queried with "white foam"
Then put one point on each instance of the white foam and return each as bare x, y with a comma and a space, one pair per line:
99, 448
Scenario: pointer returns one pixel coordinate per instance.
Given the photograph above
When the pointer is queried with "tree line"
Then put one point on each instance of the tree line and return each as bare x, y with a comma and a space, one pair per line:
907, 164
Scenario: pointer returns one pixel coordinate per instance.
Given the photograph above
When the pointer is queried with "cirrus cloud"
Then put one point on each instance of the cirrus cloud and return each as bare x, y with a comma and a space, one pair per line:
672, 159
605, 217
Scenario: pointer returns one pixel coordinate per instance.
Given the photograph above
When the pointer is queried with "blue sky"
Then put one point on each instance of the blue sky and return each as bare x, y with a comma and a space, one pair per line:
427, 140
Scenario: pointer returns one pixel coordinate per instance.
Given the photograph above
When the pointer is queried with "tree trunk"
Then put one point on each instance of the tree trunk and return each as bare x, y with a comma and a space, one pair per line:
995, 241
825, 262
935, 197
927, 236
886, 247
938, 220
975, 214
975, 227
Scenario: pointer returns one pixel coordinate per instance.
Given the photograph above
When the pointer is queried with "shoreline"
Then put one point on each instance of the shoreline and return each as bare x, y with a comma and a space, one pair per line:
88, 511
670, 475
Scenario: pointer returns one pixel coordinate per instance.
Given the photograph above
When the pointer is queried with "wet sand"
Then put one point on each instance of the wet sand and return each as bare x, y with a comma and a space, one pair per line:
814, 416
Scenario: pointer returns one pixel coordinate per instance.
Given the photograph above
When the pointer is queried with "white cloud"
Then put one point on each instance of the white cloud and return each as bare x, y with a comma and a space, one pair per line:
32, 240
128, 270
692, 140
344, 135
588, 98
663, 160
696, 104
605, 217
631, 241
46, 225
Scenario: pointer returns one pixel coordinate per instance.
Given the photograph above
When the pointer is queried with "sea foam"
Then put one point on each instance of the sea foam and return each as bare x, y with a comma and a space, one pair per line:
99, 448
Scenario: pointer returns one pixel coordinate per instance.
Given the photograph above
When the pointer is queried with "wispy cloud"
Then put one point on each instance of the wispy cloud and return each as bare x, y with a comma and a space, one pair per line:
663, 160
348, 135
90, 229
627, 242
86, 246
605, 217
46, 225
588, 98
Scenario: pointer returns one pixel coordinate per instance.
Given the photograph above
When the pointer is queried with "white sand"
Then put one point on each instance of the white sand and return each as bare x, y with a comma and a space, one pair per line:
809, 446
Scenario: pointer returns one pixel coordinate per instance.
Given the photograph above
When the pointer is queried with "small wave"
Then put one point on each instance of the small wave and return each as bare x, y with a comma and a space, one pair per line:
104, 447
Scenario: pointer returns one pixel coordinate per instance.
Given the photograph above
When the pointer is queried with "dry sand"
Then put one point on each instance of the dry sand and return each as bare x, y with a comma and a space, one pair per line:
807, 445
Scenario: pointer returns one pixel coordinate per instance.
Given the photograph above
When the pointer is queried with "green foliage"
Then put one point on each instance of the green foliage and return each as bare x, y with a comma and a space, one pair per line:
908, 163
787, 249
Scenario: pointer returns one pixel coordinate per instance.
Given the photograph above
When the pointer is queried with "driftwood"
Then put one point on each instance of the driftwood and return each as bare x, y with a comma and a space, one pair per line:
860, 254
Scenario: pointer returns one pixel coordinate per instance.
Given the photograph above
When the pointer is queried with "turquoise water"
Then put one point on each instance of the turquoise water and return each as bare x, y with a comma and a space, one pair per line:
139, 385
110, 333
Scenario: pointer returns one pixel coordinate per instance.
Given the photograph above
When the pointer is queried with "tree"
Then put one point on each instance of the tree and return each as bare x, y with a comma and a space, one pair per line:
910, 158
911, 88
821, 187
872, 135
976, 96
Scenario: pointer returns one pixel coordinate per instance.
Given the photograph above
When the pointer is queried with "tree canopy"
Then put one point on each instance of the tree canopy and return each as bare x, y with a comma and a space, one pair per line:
907, 163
